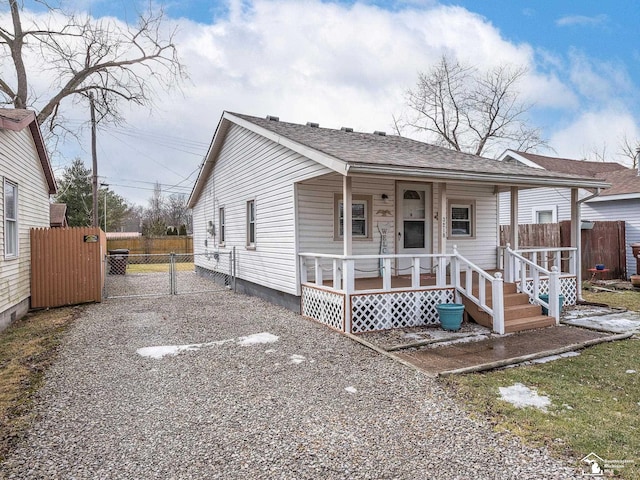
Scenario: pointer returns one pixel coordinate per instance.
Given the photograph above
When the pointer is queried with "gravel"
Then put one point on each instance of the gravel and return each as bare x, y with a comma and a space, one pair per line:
312, 405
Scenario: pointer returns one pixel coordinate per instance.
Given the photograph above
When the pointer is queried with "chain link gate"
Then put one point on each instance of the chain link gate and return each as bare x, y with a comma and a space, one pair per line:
144, 275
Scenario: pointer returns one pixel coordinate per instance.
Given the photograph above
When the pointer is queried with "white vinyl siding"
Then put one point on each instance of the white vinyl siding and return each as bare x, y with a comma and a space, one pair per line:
249, 166
481, 248
20, 164
532, 199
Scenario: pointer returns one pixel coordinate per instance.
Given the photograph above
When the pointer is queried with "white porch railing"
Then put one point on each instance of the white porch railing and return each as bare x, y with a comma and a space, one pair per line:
528, 274
563, 258
337, 274
460, 264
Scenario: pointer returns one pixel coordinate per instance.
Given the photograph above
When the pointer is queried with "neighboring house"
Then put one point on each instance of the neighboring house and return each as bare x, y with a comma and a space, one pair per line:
58, 215
424, 224
551, 205
27, 183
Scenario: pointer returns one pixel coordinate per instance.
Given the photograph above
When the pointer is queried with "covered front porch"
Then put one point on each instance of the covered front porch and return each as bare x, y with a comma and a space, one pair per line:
336, 292
413, 224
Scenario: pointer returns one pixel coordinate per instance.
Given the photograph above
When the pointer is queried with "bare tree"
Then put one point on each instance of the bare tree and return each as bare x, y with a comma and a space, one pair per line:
629, 150
116, 62
465, 109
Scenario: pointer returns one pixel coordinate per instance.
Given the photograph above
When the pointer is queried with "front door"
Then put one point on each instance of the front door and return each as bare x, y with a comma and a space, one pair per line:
414, 224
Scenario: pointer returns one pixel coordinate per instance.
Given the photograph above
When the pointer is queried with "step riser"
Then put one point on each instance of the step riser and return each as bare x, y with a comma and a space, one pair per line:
512, 313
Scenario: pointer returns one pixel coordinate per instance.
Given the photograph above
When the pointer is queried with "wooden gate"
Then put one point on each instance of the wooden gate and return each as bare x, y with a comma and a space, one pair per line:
604, 243
67, 266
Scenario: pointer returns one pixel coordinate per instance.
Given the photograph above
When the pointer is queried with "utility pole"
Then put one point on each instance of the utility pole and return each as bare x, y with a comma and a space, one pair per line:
94, 157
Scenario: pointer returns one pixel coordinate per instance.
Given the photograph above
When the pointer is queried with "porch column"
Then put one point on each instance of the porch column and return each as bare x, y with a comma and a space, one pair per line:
442, 225
513, 237
576, 238
346, 202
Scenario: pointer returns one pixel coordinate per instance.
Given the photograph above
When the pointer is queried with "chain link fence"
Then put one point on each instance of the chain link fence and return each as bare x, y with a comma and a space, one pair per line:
139, 275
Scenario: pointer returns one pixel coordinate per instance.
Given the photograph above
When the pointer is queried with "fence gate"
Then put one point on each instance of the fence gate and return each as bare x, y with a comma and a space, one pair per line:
144, 275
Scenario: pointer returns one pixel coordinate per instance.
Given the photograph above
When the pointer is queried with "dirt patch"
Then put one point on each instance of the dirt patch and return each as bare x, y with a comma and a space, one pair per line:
27, 348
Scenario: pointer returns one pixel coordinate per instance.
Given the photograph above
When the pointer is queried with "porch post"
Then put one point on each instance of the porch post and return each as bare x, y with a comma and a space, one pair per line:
513, 237
442, 226
576, 240
346, 202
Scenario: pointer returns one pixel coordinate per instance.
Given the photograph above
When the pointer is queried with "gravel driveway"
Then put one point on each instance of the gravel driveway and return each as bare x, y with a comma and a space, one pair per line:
312, 404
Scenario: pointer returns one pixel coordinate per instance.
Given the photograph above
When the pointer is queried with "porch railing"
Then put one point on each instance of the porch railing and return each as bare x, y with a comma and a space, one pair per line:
563, 258
528, 274
337, 273
483, 279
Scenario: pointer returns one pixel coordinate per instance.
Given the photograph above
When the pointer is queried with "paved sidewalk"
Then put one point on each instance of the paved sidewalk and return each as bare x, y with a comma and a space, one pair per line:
242, 389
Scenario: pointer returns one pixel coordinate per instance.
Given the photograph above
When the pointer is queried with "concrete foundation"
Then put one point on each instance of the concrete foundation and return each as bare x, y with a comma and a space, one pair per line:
13, 313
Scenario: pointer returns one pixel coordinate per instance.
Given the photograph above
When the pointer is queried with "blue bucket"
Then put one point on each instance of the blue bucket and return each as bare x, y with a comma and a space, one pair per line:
450, 315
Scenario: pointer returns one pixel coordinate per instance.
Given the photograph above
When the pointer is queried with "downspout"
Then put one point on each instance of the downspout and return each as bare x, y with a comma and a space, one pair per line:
578, 235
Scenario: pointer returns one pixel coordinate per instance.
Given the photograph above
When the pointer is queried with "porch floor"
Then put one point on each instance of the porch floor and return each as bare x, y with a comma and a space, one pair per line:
443, 358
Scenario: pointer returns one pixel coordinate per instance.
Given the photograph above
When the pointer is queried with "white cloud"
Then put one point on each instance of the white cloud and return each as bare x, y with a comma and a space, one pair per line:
595, 131
582, 20
336, 64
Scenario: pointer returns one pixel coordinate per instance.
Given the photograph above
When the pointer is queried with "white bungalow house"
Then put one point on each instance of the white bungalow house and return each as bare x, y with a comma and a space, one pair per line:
27, 182
553, 204
423, 230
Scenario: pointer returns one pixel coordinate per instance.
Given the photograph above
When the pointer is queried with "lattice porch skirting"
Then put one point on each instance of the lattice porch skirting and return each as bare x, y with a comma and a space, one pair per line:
568, 288
382, 311
324, 306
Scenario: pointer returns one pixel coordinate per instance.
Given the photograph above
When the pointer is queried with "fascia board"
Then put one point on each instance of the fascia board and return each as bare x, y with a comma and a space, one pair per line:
519, 158
323, 159
494, 179
610, 198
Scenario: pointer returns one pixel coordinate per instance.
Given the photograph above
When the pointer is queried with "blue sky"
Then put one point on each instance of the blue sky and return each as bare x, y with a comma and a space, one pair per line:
349, 63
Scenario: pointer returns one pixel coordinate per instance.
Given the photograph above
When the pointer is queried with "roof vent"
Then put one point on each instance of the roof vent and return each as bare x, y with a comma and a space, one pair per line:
313, 124
347, 129
273, 118
378, 132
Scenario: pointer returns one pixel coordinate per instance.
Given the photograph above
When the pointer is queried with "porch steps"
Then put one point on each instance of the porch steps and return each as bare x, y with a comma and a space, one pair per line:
519, 314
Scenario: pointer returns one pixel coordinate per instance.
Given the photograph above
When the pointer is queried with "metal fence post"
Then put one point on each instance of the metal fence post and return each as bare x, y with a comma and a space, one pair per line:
172, 273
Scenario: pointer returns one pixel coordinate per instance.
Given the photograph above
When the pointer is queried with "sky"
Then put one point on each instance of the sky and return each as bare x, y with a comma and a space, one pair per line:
349, 63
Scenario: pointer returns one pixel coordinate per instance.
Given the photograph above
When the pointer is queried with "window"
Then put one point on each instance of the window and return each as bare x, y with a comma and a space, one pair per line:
251, 223
10, 219
545, 214
461, 220
221, 220
360, 217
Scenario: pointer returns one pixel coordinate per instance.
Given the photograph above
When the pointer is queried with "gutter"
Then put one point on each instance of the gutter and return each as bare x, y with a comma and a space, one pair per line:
483, 177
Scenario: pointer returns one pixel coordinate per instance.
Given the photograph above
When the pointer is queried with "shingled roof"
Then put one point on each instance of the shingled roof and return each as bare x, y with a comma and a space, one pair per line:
350, 152
623, 182
567, 165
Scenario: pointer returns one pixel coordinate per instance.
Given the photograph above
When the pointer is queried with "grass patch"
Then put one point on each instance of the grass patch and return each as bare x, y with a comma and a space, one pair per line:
27, 348
629, 299
158, 267
595, 402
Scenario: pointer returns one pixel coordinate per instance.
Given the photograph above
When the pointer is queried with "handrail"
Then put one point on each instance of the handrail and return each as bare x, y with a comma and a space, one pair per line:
496, 310
536, 271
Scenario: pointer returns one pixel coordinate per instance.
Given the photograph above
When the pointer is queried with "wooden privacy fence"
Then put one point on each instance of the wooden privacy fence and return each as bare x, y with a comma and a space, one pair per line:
67, 266
604, 243
153, 245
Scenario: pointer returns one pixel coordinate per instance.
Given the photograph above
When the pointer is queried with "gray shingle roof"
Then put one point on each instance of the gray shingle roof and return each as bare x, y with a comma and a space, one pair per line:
357, 148
575, 167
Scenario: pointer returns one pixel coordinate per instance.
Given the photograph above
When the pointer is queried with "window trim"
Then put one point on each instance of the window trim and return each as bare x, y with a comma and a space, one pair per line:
545, 208
251, 208
221, 226
16, 239
461, 203
367, 200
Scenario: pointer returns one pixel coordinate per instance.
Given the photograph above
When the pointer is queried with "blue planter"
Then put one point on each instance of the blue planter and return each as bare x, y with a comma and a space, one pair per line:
450, 315
545, 298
